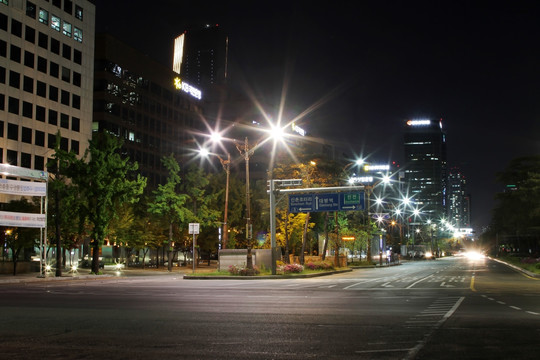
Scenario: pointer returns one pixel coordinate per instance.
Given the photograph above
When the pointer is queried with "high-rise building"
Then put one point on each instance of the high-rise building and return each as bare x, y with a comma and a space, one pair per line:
145, 104
200, 56
425, 166
458, 199
46, 79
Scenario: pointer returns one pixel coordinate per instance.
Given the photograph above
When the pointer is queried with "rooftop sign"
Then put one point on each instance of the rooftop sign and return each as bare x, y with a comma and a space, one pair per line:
418, 122
185, 87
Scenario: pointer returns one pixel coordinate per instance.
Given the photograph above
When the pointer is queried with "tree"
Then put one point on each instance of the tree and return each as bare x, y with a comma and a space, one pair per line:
517, 212
105, 179
168, 203
68, 223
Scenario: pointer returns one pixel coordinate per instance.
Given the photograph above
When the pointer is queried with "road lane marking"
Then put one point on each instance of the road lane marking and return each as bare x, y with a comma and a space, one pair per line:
416, 282
533, 313
472, 283
414, 351
515, 307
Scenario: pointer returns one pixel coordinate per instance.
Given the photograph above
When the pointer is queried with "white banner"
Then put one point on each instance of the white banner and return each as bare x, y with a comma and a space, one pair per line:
22, 219
23, 188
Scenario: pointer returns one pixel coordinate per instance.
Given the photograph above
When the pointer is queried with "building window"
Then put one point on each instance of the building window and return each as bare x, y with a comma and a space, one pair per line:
41, 89
64, 121
15, 54
54, 69
26, 135
75, 124
2, 104
55, 46
53, 93
3, 21
16, 28
66, 51
57, 3
30, 9
76, 79
39, 138
13, 105
28, 84
64, 97
51, 141
78, 12
55, 22
13, 132
30, 34
5, 2
43, 40
29, 59
68, 6
43, 16
66, 74
28, 109
77, 34
12, 157
14, 79
77, 56
64, 144
66, 28
3, 48
42, 64
1, 129
39, 162
53, 117
75, 147
26, 160
40, 113
76, 101
2, 75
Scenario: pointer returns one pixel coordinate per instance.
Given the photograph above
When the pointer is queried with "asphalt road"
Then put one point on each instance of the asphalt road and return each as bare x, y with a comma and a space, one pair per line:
444, 309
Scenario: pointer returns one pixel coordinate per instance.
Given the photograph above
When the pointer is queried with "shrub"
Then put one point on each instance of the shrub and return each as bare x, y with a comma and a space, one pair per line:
242, 270
291, 268
320, 265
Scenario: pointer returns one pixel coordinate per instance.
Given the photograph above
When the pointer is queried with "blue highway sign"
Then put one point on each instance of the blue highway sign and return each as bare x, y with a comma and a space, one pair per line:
346, 201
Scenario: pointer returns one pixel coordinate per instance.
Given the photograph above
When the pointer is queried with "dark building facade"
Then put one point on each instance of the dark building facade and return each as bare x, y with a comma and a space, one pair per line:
201, 56
425, 167
135, 98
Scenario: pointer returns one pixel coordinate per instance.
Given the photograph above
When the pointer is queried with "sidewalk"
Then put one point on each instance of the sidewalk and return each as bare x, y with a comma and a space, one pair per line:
84, 274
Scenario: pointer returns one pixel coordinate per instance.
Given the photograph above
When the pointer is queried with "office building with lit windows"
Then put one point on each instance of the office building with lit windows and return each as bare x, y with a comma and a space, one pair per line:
458, 200
146, 105
46, 78
425, 167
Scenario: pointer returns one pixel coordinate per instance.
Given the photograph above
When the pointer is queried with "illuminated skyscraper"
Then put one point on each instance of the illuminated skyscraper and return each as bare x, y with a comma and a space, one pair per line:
458, 199
425, 166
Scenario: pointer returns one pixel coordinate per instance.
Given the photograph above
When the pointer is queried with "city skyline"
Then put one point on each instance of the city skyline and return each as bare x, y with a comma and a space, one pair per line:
361, 70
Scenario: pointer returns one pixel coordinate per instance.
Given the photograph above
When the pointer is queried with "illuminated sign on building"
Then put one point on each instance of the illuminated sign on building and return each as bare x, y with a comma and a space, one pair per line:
360, 179
178, 53
185, 87
368, 168
418, 122
298, 129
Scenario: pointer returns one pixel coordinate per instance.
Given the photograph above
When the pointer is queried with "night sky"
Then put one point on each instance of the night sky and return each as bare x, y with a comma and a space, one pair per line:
370, 65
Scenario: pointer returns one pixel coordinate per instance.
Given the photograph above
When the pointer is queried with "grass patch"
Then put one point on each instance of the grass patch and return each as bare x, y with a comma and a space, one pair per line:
527, 263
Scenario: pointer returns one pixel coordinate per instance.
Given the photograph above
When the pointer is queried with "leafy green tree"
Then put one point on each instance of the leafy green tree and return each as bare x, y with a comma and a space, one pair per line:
105, 179
517, 211
66, 223
169, 203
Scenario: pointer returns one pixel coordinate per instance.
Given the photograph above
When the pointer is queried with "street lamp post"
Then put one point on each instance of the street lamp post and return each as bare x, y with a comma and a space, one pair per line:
246, 151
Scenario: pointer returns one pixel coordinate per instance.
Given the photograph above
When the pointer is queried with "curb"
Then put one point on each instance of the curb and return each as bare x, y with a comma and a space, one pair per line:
265, 277
517, 268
